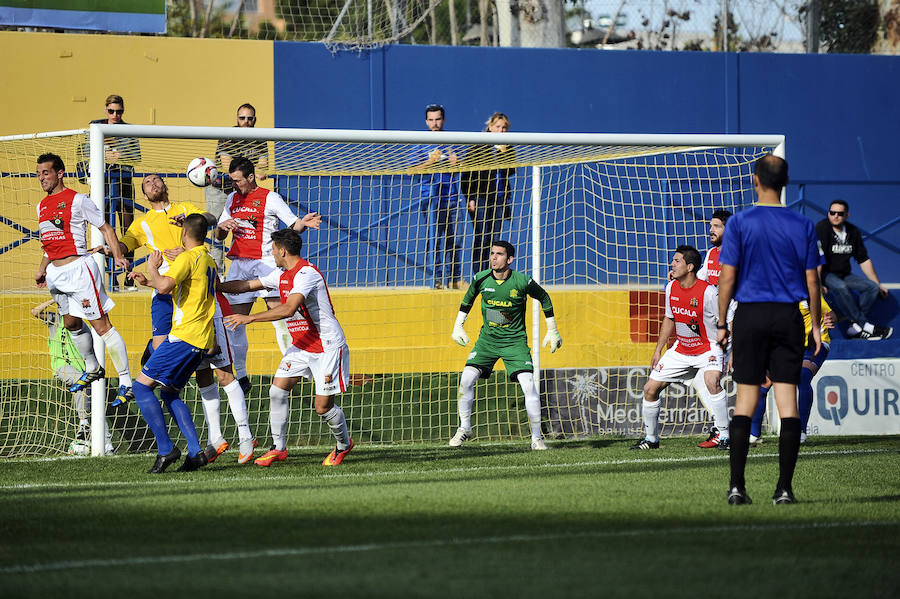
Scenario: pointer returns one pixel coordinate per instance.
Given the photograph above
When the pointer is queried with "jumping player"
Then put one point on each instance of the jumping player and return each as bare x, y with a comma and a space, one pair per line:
72, 276
691, 311
318, 348
251, 214
503, 301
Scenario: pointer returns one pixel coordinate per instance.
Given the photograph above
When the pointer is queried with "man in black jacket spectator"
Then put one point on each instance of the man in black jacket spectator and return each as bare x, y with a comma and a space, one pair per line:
841, 240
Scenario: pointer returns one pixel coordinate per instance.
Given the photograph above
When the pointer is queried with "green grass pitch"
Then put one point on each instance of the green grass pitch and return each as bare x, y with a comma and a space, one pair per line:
586, 519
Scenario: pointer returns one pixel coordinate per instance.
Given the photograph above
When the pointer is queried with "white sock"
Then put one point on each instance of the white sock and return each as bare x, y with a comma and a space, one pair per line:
466, 395
238, 405
532, 403
718, 407
118, 353
854, 328
279, 409
211, 401
699, 384
651, 420
85, 345
338, 424
239, 346
282, 336
869, 328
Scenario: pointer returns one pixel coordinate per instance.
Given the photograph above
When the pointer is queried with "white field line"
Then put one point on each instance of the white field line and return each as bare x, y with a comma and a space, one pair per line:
166, 481
426, 544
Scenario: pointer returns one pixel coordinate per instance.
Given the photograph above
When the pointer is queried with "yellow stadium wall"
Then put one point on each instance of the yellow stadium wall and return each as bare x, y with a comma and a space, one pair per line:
389, 331
61, 81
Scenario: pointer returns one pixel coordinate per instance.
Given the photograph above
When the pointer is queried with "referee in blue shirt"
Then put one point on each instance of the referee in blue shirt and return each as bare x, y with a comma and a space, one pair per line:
770, 256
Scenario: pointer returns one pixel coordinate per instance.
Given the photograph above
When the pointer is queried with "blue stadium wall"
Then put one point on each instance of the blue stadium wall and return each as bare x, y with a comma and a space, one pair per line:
838, 112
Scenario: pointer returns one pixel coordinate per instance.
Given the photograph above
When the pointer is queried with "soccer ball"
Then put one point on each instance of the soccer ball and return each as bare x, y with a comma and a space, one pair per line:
202, 171
79, 447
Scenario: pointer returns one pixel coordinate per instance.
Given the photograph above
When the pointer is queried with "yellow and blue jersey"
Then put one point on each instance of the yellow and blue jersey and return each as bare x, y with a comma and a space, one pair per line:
155, 230
194, 297
807, 319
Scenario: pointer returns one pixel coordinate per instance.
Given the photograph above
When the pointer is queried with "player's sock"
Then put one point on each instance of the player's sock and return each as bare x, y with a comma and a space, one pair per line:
153, 416
115, 347
338, 425
854, 329
651, 420
699, 384
466, 395
788, 448
756, 423
84, 342
740, 446
239, 345
532, 403
718, 407
869, 328
279, 408
805, 397
211, 401
82, 405
282, 336
182, 415
238, 405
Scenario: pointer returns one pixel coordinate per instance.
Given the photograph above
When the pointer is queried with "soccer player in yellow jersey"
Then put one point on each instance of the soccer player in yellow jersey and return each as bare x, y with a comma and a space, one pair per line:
812, 362
191, 280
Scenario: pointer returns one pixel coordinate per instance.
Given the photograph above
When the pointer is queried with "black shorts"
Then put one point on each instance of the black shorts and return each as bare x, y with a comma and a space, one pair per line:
768, 338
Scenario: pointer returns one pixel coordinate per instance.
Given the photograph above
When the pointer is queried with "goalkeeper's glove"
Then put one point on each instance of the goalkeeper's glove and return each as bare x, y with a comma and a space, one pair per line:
459, 333
552, 338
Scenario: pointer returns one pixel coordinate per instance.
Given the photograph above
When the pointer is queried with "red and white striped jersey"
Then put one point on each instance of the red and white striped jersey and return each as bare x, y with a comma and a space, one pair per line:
710, 270
257, 215
62, 221
313, 326
695, 311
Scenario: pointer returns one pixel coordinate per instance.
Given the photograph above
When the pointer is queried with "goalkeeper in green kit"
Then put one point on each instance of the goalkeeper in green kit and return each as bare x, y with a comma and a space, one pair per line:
503, 299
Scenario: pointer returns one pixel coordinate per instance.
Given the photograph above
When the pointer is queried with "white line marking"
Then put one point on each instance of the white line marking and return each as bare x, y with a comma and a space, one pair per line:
717, 456
434, 543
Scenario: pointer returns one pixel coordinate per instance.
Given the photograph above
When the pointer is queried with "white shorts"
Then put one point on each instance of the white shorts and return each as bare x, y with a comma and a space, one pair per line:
330, 370
677, 367
77, 288
223, 359
247, 269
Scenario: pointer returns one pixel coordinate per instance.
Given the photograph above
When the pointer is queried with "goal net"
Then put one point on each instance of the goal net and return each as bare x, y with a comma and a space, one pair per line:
594, 218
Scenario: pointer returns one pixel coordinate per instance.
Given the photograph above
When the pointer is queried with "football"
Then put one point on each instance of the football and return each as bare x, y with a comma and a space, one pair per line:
79, 447
202, 171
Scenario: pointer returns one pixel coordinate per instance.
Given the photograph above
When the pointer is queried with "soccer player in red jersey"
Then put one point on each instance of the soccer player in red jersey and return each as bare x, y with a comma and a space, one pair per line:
691, 311
251, 214
318, 348
72, 276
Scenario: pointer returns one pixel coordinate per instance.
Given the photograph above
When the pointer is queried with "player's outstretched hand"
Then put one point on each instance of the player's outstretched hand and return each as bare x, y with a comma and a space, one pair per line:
173, 253
177, 220
139, 278
122, 263
459, 335
311, 220
227, 225
233, 321
553, 339
155, 259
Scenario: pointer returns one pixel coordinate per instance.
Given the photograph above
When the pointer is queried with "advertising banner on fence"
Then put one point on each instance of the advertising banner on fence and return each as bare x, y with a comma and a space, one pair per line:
580, 402
851, 397
138, 16
856, 397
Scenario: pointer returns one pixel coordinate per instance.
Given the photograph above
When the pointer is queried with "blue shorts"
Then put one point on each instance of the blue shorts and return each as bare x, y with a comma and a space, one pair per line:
817, 360
161, 314
173, 363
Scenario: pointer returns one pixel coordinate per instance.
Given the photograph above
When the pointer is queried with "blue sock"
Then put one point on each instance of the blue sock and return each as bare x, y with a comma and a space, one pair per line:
153, 416
183, 419
756, 424
805, 397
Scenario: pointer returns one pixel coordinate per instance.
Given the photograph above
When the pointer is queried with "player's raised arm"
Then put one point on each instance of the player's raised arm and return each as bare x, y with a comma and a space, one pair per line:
239, 286
288, 308
311, 220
